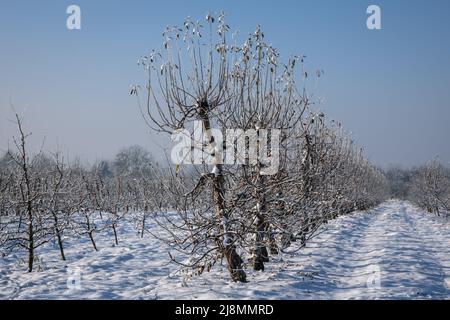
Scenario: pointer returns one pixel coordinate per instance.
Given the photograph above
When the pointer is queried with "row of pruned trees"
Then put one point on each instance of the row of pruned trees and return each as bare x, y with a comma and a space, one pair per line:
292, 169
243, 213
45, 199
428, 186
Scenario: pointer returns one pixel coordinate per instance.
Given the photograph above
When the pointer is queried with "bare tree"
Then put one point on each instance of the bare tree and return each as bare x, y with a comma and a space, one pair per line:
179, 94
430, 188
224, 85
30, 231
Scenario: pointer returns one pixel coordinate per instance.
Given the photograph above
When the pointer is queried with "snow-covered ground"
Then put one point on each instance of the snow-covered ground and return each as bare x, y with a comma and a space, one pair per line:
395, 251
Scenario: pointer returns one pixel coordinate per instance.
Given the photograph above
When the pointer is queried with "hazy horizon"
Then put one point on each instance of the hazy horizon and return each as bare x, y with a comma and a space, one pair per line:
388, 87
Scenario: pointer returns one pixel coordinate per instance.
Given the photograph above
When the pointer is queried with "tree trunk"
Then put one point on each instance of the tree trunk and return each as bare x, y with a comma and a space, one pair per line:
58, 237
234, 261
90, 232
91, 237
143, 227
30, 239
261, 254
115, 234
272, 243
60, 244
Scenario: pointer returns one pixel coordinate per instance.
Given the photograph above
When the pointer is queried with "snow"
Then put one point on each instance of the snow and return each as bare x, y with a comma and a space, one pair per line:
395, 251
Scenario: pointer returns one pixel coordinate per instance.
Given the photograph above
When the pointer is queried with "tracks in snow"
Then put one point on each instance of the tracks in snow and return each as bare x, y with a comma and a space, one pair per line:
407, 250
404, 248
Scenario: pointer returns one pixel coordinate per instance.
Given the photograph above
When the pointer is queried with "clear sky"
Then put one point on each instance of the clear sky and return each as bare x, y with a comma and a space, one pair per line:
389, 87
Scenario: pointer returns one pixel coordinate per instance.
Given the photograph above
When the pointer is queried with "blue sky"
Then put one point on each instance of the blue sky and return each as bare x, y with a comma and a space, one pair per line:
389, 87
